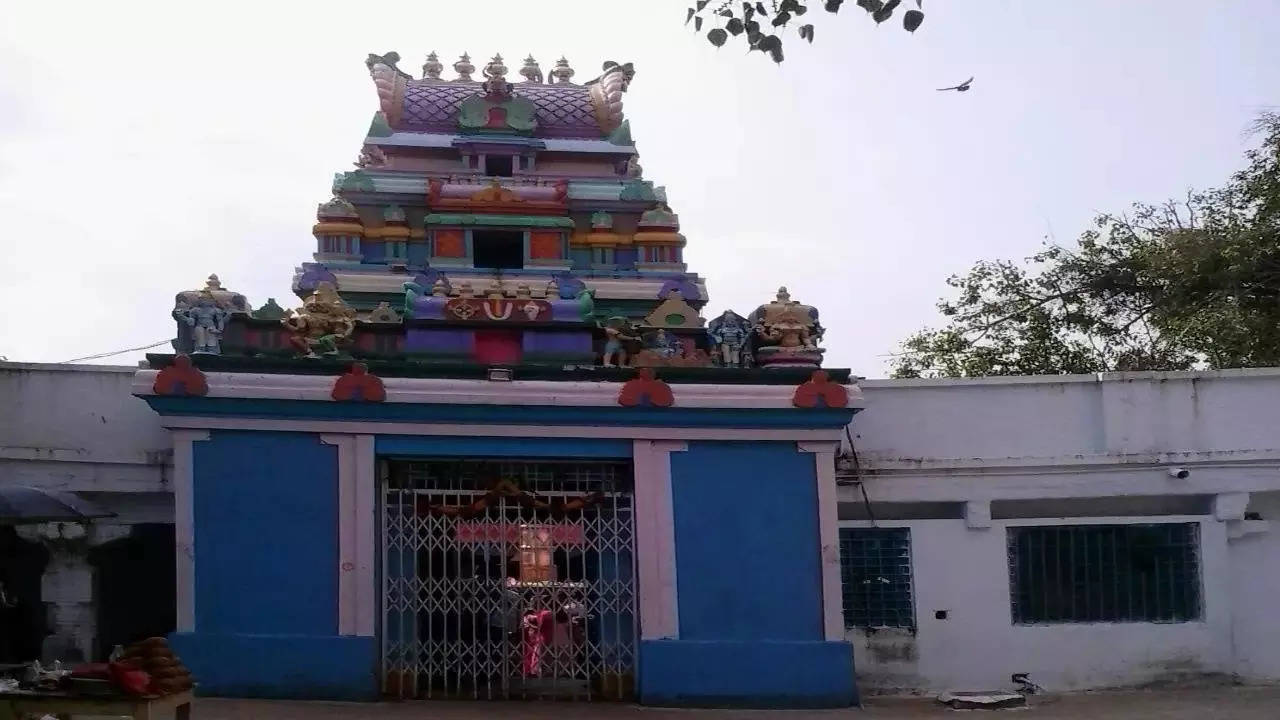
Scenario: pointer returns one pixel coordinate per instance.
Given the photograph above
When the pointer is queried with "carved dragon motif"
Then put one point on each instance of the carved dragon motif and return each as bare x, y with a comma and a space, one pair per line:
606, 94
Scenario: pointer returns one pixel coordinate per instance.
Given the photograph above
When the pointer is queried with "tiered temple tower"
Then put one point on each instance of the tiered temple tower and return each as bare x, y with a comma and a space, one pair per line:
498, 223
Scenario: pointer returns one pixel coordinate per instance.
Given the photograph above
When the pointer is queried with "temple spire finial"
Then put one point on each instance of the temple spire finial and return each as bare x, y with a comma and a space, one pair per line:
495, 68
531, 72
495, 78
562, 73
464, 68
432, 68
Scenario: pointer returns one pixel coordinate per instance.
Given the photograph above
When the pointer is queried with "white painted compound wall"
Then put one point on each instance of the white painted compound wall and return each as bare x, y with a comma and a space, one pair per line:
965, 573
945, 453
79, 428
1254, 585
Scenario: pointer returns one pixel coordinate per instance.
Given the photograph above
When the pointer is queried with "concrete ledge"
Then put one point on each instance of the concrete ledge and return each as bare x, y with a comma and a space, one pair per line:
284, 667
763, 674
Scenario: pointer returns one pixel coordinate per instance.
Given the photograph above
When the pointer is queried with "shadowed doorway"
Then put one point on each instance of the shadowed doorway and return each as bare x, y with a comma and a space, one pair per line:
22, 612
135, 586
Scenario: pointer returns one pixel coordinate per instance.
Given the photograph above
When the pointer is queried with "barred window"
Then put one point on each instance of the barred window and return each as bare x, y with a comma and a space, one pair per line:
1105, 573
875, 573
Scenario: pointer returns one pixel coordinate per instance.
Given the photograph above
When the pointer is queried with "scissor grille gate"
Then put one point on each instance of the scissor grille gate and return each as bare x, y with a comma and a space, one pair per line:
507, 579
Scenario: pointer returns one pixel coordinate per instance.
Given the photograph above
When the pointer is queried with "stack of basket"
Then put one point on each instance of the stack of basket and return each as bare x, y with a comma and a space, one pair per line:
168, 674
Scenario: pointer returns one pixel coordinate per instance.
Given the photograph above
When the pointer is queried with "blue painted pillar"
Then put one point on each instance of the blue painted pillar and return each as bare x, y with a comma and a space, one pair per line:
749, 581
265, 522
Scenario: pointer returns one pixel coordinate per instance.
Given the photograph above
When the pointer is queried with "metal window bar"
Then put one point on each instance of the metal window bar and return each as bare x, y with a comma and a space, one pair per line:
875, 574
1105, 573
459, 623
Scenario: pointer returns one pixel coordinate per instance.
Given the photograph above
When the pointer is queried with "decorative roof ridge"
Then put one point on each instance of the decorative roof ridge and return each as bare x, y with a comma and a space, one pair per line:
603, 93
265, 374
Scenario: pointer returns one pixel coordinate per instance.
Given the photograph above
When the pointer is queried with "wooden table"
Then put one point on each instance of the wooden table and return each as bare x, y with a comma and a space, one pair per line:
14, 705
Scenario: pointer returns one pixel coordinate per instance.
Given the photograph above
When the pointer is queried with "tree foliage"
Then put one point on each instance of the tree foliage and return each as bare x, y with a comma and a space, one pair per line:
762, 25
1186, 284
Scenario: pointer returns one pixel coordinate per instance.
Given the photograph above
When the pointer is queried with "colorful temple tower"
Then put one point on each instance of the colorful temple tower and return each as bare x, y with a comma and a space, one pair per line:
498, 452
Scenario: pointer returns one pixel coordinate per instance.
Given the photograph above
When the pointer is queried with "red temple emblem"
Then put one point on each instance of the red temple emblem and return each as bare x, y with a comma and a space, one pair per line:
181, 378
818, 388
645, 387
359, 386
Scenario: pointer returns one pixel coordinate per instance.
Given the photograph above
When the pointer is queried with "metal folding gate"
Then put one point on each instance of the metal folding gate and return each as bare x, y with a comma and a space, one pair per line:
508, 579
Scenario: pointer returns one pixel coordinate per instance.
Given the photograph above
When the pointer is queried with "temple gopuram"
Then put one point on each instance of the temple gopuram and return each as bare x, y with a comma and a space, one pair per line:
496, 450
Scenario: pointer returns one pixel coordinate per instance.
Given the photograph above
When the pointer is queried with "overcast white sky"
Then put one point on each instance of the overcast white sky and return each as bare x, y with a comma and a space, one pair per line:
145, 145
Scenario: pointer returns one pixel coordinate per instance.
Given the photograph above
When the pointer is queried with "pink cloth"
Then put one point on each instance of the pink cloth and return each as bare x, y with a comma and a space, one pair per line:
538, 629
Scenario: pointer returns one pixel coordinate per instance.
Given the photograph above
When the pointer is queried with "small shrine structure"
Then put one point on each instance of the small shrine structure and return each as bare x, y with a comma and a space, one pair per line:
496, 450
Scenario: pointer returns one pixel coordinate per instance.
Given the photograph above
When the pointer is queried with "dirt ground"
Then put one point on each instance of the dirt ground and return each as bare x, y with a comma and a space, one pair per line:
1215, 703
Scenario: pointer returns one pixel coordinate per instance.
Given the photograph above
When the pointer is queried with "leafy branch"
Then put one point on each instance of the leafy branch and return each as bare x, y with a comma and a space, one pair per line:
762, 25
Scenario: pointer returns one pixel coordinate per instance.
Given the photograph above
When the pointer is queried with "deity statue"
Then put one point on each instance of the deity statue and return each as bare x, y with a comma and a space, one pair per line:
586, 303
729, 334
786, 333
207, 320
616, 331
323, 324
202, 317
664, 345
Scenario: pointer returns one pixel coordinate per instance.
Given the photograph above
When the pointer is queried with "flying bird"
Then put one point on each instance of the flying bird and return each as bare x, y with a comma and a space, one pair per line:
962, 87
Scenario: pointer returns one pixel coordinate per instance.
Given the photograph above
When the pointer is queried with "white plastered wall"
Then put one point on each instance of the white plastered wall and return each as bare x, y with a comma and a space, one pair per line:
964, 572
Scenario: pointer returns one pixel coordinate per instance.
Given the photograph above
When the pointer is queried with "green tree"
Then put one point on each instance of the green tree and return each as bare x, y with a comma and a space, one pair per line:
762, 25
1182, 285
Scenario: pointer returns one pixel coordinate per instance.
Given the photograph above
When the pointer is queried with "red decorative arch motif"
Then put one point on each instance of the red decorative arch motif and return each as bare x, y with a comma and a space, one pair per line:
819, 391
645, 387
181, 378
357, 385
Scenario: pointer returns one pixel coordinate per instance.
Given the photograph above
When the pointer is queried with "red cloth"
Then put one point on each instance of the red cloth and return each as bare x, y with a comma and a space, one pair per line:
538, 629
130, 679
93, 671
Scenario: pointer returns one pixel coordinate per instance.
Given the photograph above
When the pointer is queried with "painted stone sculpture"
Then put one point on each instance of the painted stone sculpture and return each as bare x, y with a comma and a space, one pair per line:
384, 315
207, 321
323, 325
202, 316
786, 333
661, 344
665, 349
617, 332
730, 334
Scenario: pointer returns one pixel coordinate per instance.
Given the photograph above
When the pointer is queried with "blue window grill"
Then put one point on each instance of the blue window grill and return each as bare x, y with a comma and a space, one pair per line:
875, 573
1105, 573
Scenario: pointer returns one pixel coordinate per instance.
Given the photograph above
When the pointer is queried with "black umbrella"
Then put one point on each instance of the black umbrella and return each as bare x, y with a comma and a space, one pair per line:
22, 505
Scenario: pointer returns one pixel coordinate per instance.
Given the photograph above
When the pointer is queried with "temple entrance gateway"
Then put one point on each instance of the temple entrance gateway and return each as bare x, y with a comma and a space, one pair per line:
508, 579
490, 355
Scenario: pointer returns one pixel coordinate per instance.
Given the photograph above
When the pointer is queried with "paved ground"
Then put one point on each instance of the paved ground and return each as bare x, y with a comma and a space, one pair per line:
1216, 703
